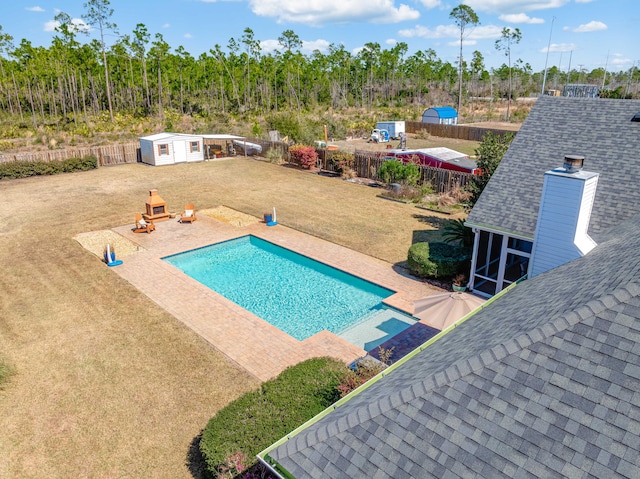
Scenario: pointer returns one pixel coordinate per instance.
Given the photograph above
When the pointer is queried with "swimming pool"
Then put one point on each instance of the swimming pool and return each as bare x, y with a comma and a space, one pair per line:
297, 294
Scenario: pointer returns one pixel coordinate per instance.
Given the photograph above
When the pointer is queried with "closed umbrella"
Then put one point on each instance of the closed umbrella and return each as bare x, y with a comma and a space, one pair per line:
442, 310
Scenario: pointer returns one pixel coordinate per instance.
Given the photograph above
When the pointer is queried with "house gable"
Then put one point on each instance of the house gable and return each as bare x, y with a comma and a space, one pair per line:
601, 130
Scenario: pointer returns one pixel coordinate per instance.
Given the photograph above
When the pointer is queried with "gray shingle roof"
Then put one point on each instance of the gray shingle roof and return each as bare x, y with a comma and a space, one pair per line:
598, 129
543, 382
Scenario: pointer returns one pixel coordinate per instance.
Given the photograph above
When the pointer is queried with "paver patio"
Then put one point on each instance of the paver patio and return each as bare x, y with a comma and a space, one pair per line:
257, 346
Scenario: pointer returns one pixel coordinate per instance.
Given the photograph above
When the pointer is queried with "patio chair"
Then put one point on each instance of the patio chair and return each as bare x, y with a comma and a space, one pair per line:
189, 214
142, 225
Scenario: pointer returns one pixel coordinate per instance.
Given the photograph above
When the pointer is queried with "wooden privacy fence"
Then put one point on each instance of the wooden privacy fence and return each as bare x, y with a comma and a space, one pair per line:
367, 163
280, 147
107, 155
460, 132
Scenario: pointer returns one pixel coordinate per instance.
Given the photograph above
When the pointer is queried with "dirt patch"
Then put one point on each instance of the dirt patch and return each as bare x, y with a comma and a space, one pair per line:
231, 216
498, 125
96, 242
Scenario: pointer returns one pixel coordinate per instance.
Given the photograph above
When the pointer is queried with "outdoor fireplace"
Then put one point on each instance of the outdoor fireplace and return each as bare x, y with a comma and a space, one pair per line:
156, 207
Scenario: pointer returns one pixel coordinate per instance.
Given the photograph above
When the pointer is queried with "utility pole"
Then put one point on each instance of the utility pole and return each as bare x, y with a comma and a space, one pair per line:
568, 70
606, 63
544, 78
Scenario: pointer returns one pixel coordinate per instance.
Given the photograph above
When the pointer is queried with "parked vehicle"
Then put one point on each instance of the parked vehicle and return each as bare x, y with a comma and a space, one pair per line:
395, 128
378, 136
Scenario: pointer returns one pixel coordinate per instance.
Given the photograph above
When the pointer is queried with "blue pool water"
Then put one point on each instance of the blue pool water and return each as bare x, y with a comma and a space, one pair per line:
298, 295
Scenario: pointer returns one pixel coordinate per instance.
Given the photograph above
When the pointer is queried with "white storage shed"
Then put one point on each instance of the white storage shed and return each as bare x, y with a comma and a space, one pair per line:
170, 148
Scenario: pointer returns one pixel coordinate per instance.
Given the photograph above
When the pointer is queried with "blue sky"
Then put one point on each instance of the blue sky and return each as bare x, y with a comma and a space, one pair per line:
592, 33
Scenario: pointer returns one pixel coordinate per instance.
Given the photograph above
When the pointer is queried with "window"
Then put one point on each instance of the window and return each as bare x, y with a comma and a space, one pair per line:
163, 149
195, 146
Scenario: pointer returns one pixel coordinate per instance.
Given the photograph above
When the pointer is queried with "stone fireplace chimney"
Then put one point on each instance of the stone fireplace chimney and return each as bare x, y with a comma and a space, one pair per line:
156, 207
567, 198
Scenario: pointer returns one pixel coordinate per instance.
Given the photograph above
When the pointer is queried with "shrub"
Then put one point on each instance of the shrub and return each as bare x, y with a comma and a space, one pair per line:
364, 369
342, 163
456, 232
259, 418
423, 134
24, 169
274, 156
303, 155
436, 260
393, 171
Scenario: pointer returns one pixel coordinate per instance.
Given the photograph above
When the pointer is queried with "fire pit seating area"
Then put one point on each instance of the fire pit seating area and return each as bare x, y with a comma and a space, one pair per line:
156, 207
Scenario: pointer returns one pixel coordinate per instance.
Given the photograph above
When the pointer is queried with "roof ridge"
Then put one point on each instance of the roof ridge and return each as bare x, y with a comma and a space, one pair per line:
466, 366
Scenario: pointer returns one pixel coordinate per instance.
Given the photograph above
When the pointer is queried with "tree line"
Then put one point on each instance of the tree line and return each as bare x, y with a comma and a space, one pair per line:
142, 74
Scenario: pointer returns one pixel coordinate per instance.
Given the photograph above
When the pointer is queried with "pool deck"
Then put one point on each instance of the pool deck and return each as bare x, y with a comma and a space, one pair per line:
257, 346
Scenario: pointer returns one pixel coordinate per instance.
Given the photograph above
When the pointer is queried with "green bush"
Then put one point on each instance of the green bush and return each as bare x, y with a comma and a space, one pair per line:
341, 161
436, 260
24, 169
259, 418
393, 171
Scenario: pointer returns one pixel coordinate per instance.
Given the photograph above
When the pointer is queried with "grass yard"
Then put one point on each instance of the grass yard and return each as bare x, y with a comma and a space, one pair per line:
105, 383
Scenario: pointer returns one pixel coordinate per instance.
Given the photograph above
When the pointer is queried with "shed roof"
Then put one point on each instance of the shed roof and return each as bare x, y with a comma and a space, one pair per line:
440, 153
171, 136
601, 130
222, 137
443, 111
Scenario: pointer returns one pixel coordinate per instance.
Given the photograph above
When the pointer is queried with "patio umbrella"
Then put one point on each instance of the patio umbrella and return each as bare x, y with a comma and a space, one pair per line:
442, 310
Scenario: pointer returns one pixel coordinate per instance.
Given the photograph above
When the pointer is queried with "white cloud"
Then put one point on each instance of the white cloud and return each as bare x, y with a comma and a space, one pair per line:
592, 26
620, 61
520, 18
268, 46
431, 3
514, 6
452, 31
559, 47
391, 41
188, 35
333, 11
51, 26
78, 24
308, 46
166, 25
465, 43
584, 1
35, 9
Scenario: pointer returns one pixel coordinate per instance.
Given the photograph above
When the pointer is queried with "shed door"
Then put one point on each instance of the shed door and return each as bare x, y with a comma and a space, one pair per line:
179, 151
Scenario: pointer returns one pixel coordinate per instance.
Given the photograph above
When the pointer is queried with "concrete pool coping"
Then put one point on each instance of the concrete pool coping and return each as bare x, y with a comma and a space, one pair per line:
252, 343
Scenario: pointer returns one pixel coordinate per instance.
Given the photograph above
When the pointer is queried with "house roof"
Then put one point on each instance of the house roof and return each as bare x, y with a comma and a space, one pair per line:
443, 111
542, 382
601, 130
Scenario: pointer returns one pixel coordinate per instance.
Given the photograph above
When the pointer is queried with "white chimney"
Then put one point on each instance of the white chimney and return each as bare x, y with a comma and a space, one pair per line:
563, 219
